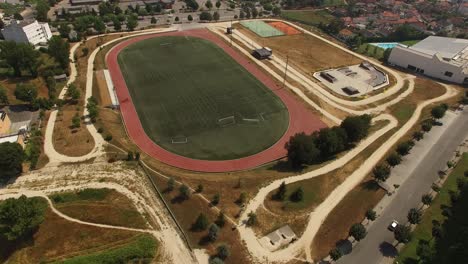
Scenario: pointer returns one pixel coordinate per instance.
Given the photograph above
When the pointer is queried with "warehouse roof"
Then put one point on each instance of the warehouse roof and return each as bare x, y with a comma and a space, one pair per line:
446, 47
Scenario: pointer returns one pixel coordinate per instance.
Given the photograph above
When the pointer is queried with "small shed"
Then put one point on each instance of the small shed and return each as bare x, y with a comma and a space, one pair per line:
263, 53
349, 90
60, 78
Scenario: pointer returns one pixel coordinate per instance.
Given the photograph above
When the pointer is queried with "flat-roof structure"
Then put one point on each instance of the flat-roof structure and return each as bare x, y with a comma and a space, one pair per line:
439, 57
280, 237
263, 53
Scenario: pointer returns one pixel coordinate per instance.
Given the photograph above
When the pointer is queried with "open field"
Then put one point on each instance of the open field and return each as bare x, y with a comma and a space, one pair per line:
58, 239
308, 17
423, 231
212, 120
306, 52
102, 206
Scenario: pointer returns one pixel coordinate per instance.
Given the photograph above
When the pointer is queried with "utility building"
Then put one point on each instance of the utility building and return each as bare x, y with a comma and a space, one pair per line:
437, 57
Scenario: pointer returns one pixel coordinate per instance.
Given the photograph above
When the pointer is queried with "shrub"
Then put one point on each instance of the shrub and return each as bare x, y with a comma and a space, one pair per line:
297, 195
221, 219
426, 199
199, 188
335, 254
216, 199
184, 192
371, 215
223, 252
418, 135
381, 173
358, 231
100, 130
394, 159
108, 138
427, 125
404, 148
170, 184
414, 216
201, 223
252, 220
213, 232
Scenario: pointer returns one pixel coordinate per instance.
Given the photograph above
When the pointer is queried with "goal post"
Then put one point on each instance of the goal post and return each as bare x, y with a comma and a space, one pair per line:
226, 121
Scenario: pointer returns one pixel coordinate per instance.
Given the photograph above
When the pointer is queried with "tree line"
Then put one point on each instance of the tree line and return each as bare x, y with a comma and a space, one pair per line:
322, 145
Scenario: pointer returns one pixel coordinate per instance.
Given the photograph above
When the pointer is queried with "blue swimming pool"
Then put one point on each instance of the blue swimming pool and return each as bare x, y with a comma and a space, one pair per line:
385, 45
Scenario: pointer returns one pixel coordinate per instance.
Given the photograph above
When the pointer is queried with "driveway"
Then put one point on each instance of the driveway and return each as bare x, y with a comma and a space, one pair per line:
377, 246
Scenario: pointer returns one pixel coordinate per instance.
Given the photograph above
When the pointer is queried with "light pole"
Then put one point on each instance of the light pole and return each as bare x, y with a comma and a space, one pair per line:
285, 70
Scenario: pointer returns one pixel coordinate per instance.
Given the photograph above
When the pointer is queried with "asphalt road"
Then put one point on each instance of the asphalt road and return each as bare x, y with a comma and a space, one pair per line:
377, 246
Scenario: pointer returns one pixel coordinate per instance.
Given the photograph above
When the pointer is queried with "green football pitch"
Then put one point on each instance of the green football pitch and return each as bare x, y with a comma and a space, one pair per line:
194, 100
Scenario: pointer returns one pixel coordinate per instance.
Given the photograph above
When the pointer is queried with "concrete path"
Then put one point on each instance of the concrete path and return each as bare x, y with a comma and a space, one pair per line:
377, 246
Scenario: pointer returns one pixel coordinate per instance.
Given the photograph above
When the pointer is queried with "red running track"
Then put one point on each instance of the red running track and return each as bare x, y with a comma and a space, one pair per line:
300, 119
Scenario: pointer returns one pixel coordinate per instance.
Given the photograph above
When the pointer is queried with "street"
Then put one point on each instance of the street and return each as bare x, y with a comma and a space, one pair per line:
377, 246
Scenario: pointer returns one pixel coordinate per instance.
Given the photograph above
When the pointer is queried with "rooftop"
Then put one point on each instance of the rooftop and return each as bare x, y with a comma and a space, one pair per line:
446, 47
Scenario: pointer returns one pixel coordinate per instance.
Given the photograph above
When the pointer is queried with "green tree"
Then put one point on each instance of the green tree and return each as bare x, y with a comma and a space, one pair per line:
425, 252
99, 25
25, 92
21, 217
42, 7
154, 20
335, 254
206, 16
404, 148
189, 18
3, 96
358, 231
394, 159
402, 234
438, 112
20, 56
132, 23
76, 121
426, 125
218, 4
209, 4
59, 49
199, 188
93, 109
414, 216
302, 150
216, 199
73, 93
371, 215
331, 141
201, 223
426, 199
170, 184
213, 232
276, 11
297, 195
356, 127
281, 193
242, 198
418, 135
381, 172
221, 219
176, 19
216, 16
11, 160
223, 252
184, 192
252, 219
254, 12
117, 24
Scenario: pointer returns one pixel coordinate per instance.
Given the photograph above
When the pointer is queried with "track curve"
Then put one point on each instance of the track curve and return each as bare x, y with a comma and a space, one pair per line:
300, 119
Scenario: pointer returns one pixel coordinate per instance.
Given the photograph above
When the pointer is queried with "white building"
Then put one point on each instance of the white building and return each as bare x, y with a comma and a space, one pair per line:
27, 31
438, 57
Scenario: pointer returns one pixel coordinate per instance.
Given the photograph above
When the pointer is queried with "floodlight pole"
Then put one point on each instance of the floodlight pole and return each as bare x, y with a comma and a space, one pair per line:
285, 70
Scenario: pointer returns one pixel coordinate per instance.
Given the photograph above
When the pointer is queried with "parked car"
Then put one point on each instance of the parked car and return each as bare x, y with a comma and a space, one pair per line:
393, 225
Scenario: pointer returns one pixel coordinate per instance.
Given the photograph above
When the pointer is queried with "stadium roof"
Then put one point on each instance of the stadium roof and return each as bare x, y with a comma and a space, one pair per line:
446, 47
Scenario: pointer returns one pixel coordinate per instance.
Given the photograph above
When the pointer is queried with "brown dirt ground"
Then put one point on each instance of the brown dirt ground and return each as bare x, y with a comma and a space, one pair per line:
186, 217
115, 209
100, 80
58, 239
305, 51
77, 142
10, 85
346, 213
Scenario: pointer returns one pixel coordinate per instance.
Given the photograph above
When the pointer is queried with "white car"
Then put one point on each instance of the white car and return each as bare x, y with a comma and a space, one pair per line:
393, 225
